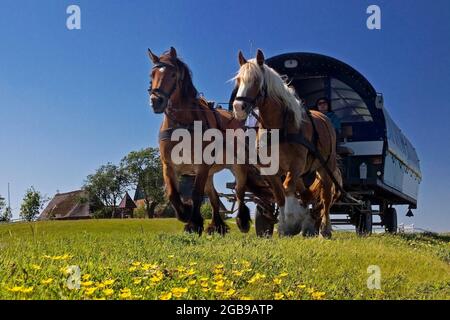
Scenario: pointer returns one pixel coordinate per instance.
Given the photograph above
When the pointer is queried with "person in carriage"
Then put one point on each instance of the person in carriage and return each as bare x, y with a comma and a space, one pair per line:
323, 105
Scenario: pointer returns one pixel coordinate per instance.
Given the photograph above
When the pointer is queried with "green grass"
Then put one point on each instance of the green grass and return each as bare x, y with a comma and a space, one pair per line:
153, 259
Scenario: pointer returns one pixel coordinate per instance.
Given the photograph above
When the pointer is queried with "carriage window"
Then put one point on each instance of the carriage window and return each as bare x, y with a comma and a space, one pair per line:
347, 104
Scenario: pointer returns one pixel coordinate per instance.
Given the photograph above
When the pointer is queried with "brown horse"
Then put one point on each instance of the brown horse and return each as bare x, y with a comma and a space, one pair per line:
173, 93
259, 86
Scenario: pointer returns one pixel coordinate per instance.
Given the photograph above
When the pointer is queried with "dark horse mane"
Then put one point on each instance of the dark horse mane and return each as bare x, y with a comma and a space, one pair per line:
188, 90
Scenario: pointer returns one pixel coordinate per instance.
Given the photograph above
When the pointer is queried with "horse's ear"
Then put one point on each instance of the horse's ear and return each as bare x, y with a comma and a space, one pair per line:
260, 57
173, 52
242, 60
153, 56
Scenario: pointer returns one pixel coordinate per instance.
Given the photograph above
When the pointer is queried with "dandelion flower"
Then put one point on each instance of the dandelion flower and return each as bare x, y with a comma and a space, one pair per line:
246, 298
178, 292
318, 295
108, 292
283, 274
166, 296
36, 267
171, 256
229, 293
86, 283
192, 282
90, 291
132, 269
137, 281
277, 281
47, 281
15, 289
238, 273
279, 296
86, 276
136, 264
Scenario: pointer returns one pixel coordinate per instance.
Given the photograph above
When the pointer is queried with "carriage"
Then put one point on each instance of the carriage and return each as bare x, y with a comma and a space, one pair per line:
379, 165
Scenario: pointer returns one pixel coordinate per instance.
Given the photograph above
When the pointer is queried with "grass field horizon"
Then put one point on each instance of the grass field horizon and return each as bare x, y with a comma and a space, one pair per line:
154, 259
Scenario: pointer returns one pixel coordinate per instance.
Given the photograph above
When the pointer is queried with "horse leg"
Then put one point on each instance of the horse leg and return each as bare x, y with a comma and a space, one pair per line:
243, 218
217, 224
326, 201
182, 211
293, 214
195, 223
278, 192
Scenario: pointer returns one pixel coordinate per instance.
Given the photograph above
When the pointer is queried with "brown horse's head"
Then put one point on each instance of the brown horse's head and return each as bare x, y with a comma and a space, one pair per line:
171, 81
259, 86
250, 85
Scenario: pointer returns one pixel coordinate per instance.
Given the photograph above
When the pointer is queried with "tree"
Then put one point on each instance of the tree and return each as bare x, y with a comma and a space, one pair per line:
145, 171
108, 184
32, 203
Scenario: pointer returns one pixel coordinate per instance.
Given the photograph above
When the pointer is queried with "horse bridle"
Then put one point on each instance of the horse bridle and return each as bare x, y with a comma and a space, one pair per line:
158, 91
250, 103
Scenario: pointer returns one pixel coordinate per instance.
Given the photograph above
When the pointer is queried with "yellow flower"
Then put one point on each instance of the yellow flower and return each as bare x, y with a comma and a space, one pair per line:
301, 286
204, 279
108, 292
238, 273
190, 272
258, 276
125, 293
178, 292
219, 266
290, 293
171, 256
192, 282
277, 281
205, 289
230, 292
137, 281
102, 298
193, 264
36, 267
109, 282
318, 295
219, 283
283, 274
204, 284
100, 285
47, 281
136, 264
15, 289
132, 269
219, 290
166, 296
246, 298
310, 290
27, 290
86, 283
279, 296
90, 291
86, 276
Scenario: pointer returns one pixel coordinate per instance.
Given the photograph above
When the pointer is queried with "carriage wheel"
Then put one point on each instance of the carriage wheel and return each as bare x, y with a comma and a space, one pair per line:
263, 225
390, 220
364, 221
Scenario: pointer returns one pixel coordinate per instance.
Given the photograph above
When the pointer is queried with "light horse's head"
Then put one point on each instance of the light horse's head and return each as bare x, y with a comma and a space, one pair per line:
257, 85
170, 81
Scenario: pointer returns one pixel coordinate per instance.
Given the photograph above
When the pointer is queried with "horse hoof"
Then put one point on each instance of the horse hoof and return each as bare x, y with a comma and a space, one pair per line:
243, 219
221, 229
193, 228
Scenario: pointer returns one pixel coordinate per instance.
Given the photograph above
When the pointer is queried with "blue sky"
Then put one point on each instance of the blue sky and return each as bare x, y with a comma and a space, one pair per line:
73, 100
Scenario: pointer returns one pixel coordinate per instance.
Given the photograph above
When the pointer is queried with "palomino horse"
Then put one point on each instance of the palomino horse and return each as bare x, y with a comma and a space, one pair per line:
259, 86
173, 93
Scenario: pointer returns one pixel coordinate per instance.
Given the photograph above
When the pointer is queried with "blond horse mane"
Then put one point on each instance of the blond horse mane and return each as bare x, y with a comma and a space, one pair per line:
277, 88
